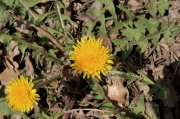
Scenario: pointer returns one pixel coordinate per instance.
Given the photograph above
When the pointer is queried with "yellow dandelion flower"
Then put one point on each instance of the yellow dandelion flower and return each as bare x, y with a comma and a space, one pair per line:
20, 94
91, 58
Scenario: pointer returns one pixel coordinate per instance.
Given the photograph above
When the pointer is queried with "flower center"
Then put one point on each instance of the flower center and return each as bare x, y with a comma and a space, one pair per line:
23, 94
90, 59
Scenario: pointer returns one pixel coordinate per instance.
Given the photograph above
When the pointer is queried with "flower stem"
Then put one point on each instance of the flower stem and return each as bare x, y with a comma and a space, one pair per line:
47, 81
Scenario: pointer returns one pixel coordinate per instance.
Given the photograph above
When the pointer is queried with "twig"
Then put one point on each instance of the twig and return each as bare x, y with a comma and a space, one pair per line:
60, 17
47, 81
75, 110
30, 11
61, 20
33, 14
46, 33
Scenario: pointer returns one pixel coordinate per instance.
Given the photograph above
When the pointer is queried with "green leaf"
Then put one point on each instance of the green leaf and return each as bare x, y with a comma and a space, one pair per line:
164, 26
60, 4
5, 109
22, 48
6, 38
137, 34
143, 46
7, 2
126, 52
164, 93
162, 6
120, 117
139, 109
174, 31
153, 89
67, 18
17, 36
141, 27
145, 79
109, 6
120, 42
52, 52
128, 33
153, 9
152, 26
98, 97
107, 104
154, 22
36, 55
167, 35
127, 11
102, 28
31, 3
95, 12
155, 40
53, 31
49, 60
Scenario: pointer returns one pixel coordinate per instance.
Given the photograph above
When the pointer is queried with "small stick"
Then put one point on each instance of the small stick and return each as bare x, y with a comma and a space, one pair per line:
61, 20
46, 33
33, 14
60, 17
75, 110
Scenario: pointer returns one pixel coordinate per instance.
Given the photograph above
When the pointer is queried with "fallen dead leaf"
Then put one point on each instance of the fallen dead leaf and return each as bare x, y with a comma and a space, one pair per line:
151, 108
143, 87
78, 115
136, 93
8, 74
106, 42
94, 114
11, 71
117, 93
16, 116
14, 48
176, 49
28, 66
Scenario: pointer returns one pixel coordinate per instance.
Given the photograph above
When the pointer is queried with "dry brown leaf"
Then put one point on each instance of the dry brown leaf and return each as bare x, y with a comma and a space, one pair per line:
54, 106
78, 115
143, 87
151, 108
14, 48
11, 71
133, 3
106, 42
22, 28
97, 5
109, 23
176, 49
136, 93
94, 114
52, 23
16, 116
8, 74
117, 93
113, 35
28, 66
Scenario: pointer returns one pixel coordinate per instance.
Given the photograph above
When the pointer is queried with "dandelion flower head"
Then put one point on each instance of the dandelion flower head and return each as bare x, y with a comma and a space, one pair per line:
91, 57
20, 94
